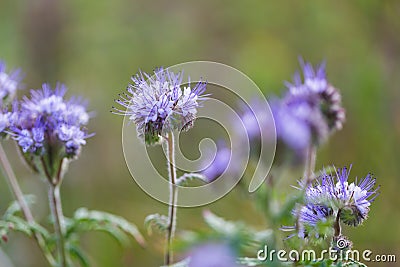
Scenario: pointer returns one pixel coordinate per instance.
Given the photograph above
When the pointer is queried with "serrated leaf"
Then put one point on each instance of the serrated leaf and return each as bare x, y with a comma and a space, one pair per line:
85, 225
85, 220
220, 225
190, 177
156, 220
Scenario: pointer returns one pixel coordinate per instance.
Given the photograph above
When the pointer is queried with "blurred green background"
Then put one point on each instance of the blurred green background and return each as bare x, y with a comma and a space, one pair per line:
95, 46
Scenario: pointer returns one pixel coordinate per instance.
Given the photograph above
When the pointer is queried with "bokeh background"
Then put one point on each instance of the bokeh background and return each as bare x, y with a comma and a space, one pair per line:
94, 46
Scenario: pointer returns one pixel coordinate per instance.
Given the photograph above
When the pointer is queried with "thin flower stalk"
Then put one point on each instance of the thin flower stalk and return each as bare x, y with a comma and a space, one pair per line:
57, 213
173, 193
13, 182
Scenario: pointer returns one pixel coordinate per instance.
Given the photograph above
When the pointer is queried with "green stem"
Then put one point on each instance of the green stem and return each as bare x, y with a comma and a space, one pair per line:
15, 188
56, 211
173, 194
58, 217
308, 177
336, 226
310, 165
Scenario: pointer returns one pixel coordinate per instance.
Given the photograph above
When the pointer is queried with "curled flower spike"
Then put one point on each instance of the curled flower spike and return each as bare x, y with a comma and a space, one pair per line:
315, 85
48, 127
309, 112
9, 83
352, 201
156, 103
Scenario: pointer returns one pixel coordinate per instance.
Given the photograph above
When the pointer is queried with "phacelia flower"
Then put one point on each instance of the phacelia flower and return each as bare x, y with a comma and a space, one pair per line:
351, 201
212, 255
48, 126
159, 103
315, 85
9, 83
299, 122
310, 110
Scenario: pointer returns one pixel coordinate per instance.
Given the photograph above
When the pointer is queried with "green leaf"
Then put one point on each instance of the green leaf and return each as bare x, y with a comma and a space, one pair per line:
220, 225
14, 224
240, 235
37, 228
118, 227
156, 220
14, 207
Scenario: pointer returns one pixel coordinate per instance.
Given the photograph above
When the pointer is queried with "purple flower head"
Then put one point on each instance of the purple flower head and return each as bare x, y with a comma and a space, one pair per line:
326, 97
220, 163
315, 80
212, 255
309, 112
298, 123
9, 83
45, 123
351, 201
156, 103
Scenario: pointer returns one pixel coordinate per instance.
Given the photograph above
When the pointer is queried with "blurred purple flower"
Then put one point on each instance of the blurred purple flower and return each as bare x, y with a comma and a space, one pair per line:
158, 101
255, 120
298, 122
47, 121
315, 80
220, 163
324, 96
310, 110
9, 83
212, 255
